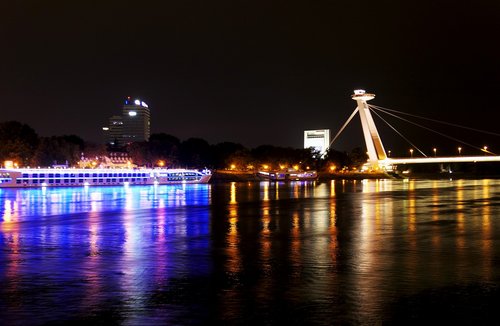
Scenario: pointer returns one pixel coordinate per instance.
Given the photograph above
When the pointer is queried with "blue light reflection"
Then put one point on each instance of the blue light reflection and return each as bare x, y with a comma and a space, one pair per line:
84, 247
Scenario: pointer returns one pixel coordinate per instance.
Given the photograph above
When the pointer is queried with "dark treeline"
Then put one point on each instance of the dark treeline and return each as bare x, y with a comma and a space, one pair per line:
21, 144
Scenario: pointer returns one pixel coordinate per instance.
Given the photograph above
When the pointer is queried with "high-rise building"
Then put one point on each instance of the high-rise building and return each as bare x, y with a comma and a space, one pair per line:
134, 125
115, 130
318, 139
136, 121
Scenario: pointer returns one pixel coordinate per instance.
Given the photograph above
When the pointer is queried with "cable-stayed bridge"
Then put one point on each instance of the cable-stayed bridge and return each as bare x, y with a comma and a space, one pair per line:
377, 157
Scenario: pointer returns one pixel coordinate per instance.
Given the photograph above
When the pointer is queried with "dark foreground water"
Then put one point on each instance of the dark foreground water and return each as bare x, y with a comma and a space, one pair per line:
342, 252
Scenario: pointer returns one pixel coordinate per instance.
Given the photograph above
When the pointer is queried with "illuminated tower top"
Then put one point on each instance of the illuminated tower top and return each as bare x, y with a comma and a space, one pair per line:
360, 94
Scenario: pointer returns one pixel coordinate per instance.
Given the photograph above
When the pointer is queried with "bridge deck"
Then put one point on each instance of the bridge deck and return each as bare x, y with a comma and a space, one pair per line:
449, 159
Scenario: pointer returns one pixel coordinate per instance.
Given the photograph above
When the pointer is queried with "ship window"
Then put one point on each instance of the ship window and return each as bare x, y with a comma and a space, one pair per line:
87, 175
18, 181
58, 180
94, 175
72, 180
73, 175
25, 175
42, 180
35, 175
80, 180
66, 175
35, 181
42, 175
51, 175
51, 181
107, 180
132, 180
65, 180
94, 180
58, 175
80, 175
113, 180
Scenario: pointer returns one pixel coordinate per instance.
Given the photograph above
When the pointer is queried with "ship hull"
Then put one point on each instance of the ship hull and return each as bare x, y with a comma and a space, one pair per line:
35, 178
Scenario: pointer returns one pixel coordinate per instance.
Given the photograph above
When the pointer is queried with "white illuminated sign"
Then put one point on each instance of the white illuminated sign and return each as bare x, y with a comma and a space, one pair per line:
132, 113
137, 102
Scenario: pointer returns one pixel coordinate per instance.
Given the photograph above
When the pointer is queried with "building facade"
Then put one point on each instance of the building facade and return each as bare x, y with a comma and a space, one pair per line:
134, 125
318, 139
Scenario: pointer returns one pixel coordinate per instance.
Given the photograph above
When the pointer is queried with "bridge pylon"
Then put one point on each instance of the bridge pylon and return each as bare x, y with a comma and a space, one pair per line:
374, 146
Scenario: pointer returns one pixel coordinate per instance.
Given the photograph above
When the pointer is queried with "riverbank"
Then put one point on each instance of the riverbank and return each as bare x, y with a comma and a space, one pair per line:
251, 176
238, 176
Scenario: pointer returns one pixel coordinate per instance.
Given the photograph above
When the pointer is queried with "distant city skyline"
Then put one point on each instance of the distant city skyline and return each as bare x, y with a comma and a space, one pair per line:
256, 73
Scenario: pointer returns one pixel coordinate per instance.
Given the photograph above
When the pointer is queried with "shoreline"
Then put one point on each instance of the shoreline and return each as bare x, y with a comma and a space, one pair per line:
250, 176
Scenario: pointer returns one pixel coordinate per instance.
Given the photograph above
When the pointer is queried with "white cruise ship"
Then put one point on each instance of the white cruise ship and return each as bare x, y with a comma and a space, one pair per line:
75, 177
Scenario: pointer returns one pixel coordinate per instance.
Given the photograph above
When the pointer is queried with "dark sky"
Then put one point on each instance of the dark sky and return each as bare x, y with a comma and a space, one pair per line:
252, 72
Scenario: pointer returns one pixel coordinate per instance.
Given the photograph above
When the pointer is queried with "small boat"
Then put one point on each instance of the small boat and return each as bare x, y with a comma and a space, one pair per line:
289, 175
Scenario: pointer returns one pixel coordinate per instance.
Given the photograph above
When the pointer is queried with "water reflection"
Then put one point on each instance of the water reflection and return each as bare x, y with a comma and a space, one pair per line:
339, 252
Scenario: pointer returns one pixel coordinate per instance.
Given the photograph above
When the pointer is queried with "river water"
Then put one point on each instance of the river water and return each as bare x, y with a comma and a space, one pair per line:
307, 253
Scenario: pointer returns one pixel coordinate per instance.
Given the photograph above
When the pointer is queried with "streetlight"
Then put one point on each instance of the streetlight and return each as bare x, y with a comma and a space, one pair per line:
459, 150
411, 152
389, 153
435, 150
485, 149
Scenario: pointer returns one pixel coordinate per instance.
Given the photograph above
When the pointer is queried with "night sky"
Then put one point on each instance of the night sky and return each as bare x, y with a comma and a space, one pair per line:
252, 72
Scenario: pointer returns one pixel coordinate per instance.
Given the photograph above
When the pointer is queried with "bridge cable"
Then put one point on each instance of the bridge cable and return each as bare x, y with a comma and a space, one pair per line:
437, 132
409, 142
438, 121
343, 127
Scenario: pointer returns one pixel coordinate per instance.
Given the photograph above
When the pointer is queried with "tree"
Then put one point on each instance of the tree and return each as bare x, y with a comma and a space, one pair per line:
58, 150
357, 157
336, 158
139, 153
164, 148
195, 152
17, 142
225, 152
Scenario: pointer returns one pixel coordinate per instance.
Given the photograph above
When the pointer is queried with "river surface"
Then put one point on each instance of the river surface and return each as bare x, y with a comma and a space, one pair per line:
304, 253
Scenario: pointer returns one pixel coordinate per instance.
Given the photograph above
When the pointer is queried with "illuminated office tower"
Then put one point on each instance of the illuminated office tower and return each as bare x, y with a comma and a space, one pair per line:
136, 121
319, 139
134, 125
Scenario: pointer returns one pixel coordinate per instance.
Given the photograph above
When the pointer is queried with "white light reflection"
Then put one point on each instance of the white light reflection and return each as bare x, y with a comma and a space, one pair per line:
7, 211
233, 193
265, 192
